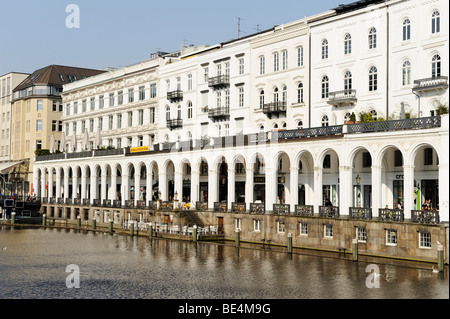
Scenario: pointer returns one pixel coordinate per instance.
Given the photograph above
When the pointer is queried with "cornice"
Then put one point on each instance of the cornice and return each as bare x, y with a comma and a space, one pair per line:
279, 36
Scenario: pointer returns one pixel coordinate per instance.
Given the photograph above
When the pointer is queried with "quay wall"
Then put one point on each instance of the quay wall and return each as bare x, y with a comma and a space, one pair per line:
274, 230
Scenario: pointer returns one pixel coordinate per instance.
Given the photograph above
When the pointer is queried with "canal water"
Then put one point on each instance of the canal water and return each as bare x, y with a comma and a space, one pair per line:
44, 263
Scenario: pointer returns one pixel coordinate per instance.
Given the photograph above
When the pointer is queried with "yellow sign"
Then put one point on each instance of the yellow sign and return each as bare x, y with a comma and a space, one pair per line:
139, 149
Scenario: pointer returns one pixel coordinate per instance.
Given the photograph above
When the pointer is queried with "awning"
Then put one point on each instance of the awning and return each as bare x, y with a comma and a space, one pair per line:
7, 166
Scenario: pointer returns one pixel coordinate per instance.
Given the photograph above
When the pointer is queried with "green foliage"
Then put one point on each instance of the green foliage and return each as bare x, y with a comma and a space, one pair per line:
41, 152
353, 117
442, 109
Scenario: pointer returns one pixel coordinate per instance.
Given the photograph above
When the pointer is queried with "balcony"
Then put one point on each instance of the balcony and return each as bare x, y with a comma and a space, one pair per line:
219, 113
172, 124
342, 98
437, 83
175, 95
274, 108
219, 81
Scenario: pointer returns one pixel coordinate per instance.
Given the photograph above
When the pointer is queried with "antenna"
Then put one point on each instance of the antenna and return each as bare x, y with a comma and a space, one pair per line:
239, 27
257, 28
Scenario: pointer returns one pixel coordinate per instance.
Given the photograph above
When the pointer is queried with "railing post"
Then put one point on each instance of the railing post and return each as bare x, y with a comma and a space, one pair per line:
131, 229
150, 230
194, 233
289, 246
44, 220
355, 249
238, 237
111, 226
440, 253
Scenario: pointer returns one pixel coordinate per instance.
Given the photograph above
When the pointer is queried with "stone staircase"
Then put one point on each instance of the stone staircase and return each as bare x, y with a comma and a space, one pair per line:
192, 218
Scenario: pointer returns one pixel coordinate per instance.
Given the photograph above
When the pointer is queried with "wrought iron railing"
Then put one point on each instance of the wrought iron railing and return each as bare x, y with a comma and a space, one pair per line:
201, 206
344, 96
219, 80
304, 210
274, 107
425, 216
281, 209
431, 83
175, 95
257, 208
307, 132
329, 211
219, 112
396, 125
174, 123
238, 207
395, 215
360, 213
220, 207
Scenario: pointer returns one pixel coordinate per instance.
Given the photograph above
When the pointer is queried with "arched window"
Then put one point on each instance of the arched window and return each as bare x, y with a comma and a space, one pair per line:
373, 79
300, 124
406, 73
283, 125
261, 128
406, 29
275, 95
325, 120
285, 60
284, 96
167, 113
300, 56
325, 87
179, 112
275, 126
324, 49
436, 66
348, 81
372, 38
300, 93
189, 109
347, 44
435, 22
261, 99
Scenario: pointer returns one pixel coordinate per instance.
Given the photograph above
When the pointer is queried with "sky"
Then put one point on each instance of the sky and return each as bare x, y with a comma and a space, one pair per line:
38, 33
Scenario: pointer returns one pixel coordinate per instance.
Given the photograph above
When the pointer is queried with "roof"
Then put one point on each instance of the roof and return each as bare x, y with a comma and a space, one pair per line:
343, 8
56, 75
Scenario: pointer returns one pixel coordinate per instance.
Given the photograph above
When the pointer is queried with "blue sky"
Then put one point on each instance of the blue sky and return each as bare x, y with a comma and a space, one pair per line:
119, 33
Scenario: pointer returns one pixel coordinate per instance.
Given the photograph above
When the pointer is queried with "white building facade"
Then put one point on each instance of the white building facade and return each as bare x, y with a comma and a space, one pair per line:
265, 119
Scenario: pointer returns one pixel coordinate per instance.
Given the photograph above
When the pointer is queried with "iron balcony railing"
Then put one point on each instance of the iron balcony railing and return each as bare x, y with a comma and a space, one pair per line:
175, 95
281, 209
257, 208
274, 107
219, 112
220, 80
304, 210
360, 213
396, 125
308, 132
425, 216
437, 82
220, 207
238, 207
171, 124
341, 98
395, 215
329, 211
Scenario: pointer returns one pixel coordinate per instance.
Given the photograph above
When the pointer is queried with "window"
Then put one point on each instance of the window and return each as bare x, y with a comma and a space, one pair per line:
54, 123
398, 158
38, 144
324, 49
238, 224
300, 93
101, 102
91, 125
167, 113
119, 121
241, 66
325, 120
152, 115
178, 83
372, 38
206, 74
140, 141
366, 159
179, 112
152, 90
276, 62
435, 22
361, 234
424, 239
92, 106
40, 105
262, 65
436, 66
256, 225
189, 110
428, 156
54, 106
325, 87
110, 122
130, 119
141, 93
391, 237
111, 99
84, 106
100, 124
261, 99
281, 226
328, 231
348, 81
347, 44
130, 95
39, 125
300, 124
303, 229
284, 64
284, 94
275, 95
141, 117
300, 56
327, 161
189, 81
406, 73
75, 108
227, 67
120, 97
227, 98
373, 79
241, 97
406, 29
60, 126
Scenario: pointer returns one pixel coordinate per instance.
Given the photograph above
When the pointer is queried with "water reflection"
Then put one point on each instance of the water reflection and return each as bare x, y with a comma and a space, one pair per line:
114, 266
